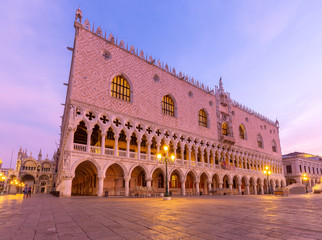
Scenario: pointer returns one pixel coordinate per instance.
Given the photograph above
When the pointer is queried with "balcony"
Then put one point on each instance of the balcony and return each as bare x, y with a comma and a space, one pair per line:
153, 158
227, 139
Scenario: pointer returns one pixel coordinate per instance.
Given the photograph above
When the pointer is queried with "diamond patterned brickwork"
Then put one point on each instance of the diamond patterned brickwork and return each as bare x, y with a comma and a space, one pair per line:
92, 78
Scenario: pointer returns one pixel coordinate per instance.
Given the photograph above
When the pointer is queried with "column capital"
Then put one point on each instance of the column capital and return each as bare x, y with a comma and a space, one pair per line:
127, 178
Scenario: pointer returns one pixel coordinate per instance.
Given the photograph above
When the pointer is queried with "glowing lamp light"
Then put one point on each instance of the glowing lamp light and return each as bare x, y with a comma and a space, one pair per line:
266, 167
159, 156
165, 148
173, 157
11, 182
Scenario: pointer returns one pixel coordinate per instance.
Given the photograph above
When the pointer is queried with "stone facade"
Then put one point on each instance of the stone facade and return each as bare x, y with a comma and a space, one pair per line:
110, 144
38, 173
296, 164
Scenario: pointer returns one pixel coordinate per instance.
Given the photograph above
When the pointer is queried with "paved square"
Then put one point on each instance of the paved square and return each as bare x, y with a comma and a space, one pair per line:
205, 217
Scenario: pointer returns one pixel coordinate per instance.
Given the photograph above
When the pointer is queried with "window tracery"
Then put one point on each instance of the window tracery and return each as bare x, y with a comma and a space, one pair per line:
168, 106
120, 88
202, 118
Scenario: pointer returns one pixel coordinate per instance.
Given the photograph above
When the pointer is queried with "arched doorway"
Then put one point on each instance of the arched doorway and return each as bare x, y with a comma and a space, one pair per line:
235, 185
215, 182
259, 184
252, 186
138, 178
244, 185
30, 181
226, 181
43, 184
158, 181
204, 184
114, 184
190, 184
175, 183
85, 181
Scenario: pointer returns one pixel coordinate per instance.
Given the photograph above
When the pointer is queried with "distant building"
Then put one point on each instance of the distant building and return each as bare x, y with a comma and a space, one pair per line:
297, 163
122, 107
38, 173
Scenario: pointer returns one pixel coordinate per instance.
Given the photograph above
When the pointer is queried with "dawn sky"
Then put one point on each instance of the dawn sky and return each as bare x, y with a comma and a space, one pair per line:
269, 54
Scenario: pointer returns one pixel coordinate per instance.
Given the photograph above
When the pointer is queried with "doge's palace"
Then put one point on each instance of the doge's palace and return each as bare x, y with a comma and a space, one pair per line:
122, 107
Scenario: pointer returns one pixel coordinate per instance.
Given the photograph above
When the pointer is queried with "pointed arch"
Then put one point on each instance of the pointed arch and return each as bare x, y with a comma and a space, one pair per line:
80, 135
242, 132
274, 146
168, 105
224, 129
203, 118
260, 142
120, 88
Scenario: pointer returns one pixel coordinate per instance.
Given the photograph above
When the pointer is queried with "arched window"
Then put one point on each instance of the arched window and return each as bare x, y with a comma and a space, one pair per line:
174, 181
202, 118
260, 142
120, 88
168, 106
274, 149
224, 129
242, 131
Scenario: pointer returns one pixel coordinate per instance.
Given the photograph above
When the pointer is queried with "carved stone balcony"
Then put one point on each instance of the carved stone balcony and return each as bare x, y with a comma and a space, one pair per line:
227, 139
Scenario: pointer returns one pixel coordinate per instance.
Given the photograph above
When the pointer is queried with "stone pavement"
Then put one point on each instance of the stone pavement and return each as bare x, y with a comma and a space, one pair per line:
205, 217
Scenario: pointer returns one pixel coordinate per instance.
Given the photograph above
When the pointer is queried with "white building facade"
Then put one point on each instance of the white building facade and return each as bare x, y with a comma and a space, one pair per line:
298, 163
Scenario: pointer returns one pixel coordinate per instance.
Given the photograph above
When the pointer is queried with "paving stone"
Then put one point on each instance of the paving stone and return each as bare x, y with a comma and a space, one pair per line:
205, 217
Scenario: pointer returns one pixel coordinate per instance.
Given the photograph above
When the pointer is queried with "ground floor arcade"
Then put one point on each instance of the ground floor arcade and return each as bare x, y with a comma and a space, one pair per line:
88, 177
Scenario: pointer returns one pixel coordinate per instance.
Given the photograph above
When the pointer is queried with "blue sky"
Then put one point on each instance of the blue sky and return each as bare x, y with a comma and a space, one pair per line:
269, 54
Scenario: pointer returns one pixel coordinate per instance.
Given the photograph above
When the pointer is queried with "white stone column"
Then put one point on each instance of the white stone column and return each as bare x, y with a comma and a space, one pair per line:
89, 134
220, 185
273, 187
230, 187
139, 147
100, 186
247, 189
255, 189
202, 157
148, 182
262, 189
197, 188
209, 188
127, 186
103, 143
219, 159
239, 189
183, 187
128, 140
149, 150
189, 156
116, 145
182, 154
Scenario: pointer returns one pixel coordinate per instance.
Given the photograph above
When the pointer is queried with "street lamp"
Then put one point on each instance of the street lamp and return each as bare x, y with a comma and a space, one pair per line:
305, 178
164, 158
267, 172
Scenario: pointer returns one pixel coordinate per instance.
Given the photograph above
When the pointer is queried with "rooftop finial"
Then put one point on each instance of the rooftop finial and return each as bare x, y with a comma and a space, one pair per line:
220, 84
79, 15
